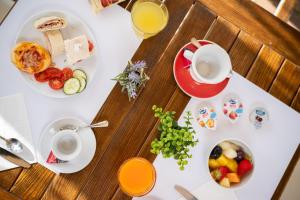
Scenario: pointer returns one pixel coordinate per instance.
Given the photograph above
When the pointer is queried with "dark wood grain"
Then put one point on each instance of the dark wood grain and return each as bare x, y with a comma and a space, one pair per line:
5, 195
265, 68
286, 83
8, 177
150, 50
133, 131
244, 52
32, 182
124, 3
228, 30
260, 24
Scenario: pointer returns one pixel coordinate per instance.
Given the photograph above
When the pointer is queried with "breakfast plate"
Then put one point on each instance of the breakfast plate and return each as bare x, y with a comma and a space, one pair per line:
185, 81
85, 155
73, 29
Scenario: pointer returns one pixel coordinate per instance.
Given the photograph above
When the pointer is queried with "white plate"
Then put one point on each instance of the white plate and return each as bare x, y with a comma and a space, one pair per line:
74, 28
82, 160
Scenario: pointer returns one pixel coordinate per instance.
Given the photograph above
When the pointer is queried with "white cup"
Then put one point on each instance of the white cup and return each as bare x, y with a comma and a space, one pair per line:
210, 64
66, 145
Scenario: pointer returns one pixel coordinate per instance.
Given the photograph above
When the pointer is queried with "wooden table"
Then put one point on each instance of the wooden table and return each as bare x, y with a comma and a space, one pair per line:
263, 49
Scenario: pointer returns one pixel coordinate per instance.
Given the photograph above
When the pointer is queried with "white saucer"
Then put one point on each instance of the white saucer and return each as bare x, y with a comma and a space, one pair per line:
82, 160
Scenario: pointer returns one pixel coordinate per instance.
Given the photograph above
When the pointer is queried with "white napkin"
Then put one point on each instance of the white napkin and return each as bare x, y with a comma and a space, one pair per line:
212, 191
14, 124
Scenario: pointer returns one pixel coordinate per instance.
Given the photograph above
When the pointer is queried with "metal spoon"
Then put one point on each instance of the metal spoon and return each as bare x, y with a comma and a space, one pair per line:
13, 144
195, 42
76, 128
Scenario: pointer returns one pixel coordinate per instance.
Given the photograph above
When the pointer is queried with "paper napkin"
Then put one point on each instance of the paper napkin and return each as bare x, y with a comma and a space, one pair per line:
14, 124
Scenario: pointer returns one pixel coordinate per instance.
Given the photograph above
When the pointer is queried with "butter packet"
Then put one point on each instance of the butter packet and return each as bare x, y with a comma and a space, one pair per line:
206, 116
232, 108
258, 117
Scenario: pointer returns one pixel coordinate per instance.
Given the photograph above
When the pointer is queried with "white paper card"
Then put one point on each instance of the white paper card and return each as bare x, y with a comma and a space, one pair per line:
14, 124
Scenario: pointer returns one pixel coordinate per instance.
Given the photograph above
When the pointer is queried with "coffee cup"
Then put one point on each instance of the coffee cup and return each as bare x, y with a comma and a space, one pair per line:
66, 145
210, 64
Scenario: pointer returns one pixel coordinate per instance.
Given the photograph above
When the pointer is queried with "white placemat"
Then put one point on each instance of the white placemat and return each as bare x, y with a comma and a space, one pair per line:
211, 191
14, 124
272, 146
116, 41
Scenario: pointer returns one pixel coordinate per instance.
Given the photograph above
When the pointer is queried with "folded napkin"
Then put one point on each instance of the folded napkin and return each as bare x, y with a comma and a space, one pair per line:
52, 159
212, 191
14, 124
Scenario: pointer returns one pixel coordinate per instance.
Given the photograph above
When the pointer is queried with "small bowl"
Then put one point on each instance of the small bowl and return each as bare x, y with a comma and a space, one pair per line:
247, 150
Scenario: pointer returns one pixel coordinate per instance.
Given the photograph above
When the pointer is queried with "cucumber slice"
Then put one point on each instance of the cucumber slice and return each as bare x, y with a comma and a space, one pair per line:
72, 86
82, 84
79, 73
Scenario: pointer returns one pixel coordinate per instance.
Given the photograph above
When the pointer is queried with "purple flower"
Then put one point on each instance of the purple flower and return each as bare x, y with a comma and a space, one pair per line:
134, 77
138, 65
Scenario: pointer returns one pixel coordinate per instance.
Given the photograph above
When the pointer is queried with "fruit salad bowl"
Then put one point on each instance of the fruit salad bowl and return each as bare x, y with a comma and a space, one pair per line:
230, 163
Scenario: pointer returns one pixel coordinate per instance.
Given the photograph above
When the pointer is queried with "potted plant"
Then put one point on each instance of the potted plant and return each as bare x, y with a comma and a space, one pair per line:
174, 140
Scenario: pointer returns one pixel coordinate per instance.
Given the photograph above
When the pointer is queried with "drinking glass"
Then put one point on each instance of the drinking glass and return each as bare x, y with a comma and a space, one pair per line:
136, 177
149, 17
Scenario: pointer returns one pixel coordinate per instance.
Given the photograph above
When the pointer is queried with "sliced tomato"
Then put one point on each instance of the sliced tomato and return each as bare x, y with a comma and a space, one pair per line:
67, 73
54, 72
41, 77
91, 46
56, 83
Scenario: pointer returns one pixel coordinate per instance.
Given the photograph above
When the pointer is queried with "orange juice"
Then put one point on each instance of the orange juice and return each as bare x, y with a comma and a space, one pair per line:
136, 176
149, 17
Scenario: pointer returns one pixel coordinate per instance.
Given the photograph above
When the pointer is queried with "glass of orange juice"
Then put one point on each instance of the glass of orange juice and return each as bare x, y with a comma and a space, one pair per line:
136, 177
149, 17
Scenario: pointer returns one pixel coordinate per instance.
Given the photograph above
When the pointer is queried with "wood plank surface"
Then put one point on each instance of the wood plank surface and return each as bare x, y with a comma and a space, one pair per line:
179, 99
32, 182
244, 52
124, 4
228, 30
260, 24
286, 84
265, 68
5, 195
8, 177
150, 50
139, 122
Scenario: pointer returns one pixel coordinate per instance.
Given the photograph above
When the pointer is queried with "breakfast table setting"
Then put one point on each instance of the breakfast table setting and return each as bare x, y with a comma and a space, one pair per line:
147, 99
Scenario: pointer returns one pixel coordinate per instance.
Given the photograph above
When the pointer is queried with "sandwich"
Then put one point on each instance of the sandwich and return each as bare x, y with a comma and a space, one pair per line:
55, 42
30, 57
50, 23
77, 49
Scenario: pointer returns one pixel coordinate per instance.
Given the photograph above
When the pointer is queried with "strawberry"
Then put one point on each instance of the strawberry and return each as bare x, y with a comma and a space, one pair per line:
220, 173
244, 167
232, 115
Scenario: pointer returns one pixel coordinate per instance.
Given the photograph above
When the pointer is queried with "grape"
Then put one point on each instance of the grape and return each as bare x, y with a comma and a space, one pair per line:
240, 155
216, 152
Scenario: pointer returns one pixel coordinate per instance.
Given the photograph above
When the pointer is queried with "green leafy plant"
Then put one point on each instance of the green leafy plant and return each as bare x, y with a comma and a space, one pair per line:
174, 140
